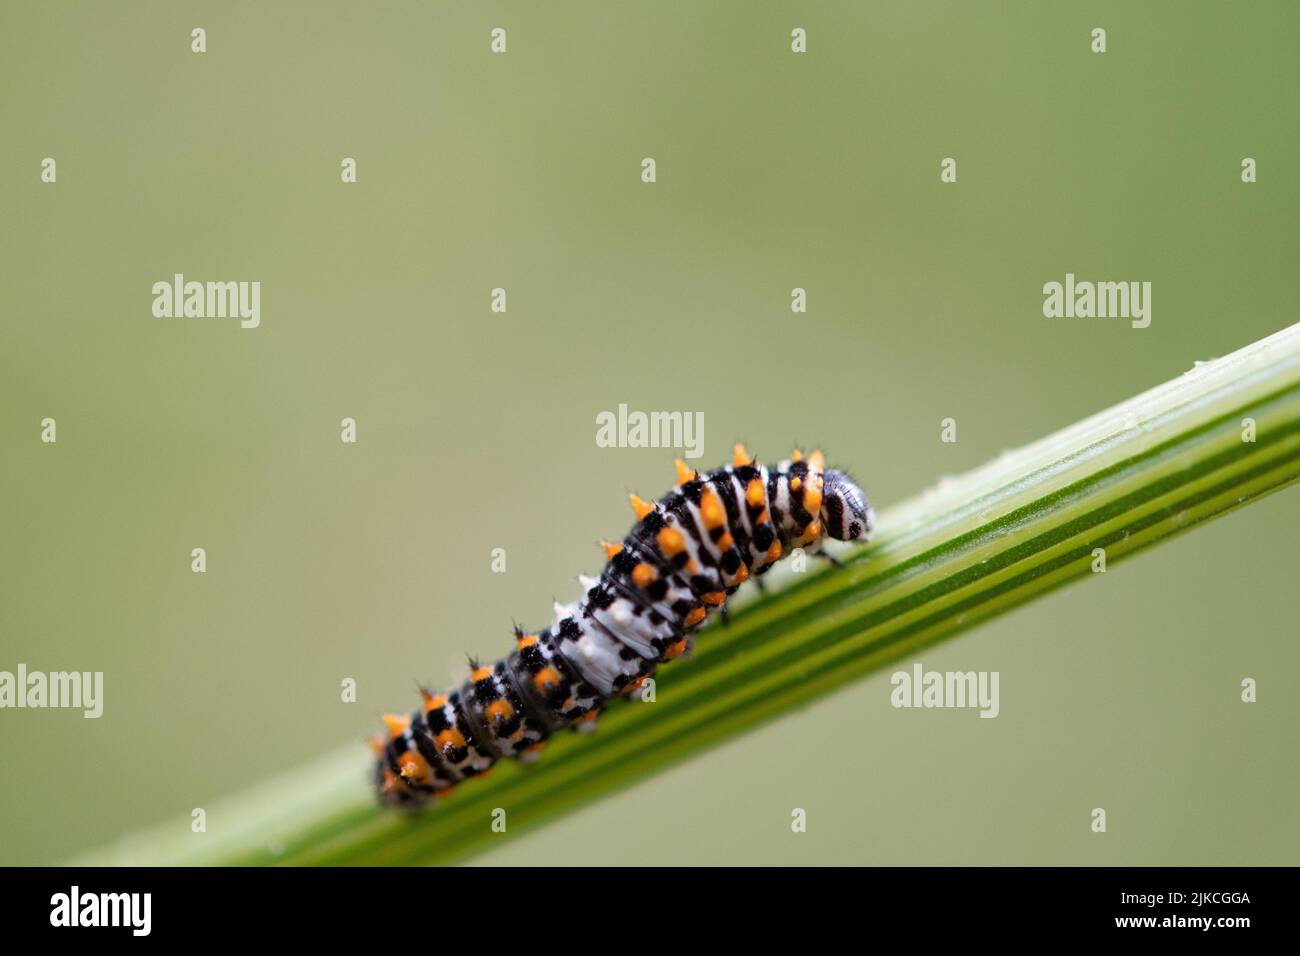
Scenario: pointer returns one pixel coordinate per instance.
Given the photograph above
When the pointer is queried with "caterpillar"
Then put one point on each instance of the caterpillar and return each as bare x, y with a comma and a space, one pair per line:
686, 553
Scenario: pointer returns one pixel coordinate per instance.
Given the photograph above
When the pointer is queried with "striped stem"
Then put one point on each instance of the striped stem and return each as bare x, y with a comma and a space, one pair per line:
944, 561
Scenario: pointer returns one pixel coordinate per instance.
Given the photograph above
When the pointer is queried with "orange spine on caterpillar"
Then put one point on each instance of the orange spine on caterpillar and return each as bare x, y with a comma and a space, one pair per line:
686, 553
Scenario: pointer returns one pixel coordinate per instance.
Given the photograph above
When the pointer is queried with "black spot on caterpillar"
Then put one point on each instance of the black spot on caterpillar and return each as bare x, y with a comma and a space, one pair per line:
683, 557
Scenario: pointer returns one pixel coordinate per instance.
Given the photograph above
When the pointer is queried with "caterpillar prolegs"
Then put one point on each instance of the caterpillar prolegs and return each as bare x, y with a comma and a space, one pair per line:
683, 557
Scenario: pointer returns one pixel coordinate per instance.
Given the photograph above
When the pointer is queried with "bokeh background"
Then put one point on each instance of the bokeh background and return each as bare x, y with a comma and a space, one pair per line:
477, 430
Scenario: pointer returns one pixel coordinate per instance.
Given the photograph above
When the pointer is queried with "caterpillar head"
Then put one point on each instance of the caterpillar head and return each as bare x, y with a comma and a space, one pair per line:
845, 514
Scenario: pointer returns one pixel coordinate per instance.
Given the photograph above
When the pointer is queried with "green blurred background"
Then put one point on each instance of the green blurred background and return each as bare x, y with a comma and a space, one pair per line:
476, 430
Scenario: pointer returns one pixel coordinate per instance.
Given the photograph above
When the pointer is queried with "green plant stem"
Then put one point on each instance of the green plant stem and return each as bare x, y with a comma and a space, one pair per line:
944, 561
